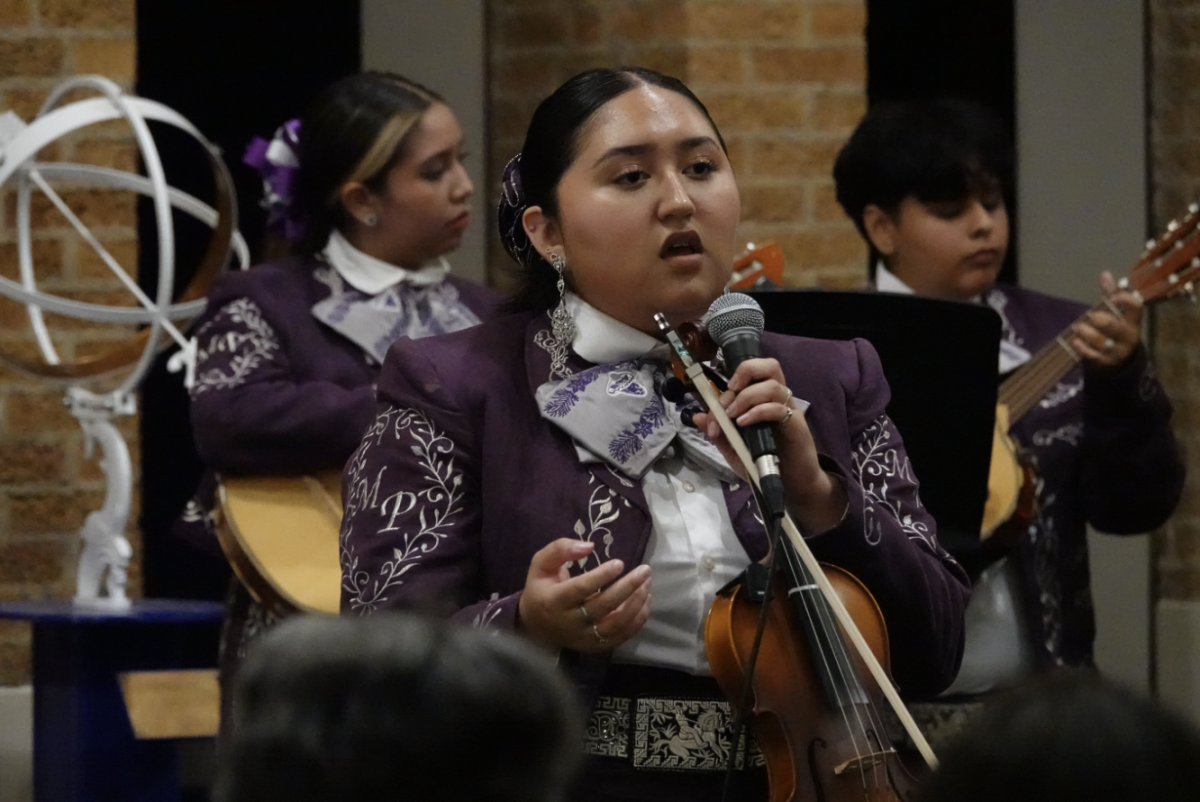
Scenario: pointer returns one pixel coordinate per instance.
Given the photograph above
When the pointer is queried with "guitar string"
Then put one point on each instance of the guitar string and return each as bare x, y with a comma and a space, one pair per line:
1028, 387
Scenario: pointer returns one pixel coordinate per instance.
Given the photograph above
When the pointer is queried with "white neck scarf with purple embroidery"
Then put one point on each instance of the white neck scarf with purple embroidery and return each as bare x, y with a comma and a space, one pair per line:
373, 303
617, 413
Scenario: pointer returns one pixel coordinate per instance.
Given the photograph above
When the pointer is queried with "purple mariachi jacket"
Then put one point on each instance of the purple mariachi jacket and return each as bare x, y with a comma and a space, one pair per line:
277, 391
459, 481
1104, 454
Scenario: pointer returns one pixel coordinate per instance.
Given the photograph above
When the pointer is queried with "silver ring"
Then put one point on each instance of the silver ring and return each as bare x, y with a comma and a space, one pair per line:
1109, 344
599, 637
788, 416
787, 401
587, 617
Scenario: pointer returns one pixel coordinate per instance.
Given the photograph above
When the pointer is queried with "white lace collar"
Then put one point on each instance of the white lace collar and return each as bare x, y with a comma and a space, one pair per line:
367, 274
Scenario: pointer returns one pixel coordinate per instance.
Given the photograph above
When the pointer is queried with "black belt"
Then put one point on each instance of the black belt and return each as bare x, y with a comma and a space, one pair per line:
665, 720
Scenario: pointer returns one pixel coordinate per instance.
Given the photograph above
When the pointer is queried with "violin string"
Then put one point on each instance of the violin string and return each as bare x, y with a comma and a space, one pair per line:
850, 669
848, 674
821, 617
879, 769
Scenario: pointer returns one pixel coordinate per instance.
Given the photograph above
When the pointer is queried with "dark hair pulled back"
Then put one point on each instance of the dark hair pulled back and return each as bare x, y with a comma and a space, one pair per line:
355, 129
551, 145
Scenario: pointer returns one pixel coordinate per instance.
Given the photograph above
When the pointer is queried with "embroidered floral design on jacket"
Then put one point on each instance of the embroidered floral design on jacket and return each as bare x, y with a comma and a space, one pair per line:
1071, 434
602, 511
880, 474
330, 278
1061, 393
419, 516
491, 609
243, 342
998, 301
1048, 556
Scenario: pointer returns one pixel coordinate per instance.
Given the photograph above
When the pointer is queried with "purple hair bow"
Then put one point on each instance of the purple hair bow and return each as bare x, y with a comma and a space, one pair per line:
278, 163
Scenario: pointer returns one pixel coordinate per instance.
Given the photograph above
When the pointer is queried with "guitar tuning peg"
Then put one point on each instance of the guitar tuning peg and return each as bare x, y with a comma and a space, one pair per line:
1171, 226
1149, 244
1190, 289
1193, 208
1196, 261
1178, 244
1172, 279
1123, 283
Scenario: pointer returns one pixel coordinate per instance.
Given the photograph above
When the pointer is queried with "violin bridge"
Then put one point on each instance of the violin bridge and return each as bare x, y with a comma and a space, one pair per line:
865, 762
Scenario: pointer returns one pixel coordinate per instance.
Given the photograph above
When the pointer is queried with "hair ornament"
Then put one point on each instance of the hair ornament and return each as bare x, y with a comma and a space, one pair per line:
510, 212
278, 163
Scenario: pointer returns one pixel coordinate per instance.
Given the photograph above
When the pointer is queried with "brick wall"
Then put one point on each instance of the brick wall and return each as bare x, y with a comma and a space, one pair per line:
46, 484
1175, 181
785, 81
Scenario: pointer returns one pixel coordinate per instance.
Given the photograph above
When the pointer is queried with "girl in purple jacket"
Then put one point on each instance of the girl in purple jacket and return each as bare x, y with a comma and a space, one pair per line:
530, 475
370, 190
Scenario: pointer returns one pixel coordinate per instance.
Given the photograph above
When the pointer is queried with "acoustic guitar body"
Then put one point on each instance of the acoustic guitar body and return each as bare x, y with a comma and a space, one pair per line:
280, 535
1012, 491
1004, 478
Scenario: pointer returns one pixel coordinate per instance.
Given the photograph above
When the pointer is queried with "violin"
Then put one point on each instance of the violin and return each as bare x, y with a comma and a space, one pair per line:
813, 701
1166, 269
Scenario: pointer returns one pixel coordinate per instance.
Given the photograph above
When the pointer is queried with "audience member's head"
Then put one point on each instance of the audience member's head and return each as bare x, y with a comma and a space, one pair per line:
397, 707
1067, 738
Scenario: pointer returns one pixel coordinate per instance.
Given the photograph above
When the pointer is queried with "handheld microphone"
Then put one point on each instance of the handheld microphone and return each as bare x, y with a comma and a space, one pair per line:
735, 323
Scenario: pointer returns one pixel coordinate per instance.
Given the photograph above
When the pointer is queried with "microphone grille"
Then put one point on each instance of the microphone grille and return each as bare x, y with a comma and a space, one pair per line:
731, 314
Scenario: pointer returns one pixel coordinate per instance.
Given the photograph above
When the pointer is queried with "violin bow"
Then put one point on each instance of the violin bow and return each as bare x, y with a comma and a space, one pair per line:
708, 394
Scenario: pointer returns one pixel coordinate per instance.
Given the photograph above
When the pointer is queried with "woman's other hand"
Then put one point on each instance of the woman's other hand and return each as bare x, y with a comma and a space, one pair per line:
758, 394
593, 612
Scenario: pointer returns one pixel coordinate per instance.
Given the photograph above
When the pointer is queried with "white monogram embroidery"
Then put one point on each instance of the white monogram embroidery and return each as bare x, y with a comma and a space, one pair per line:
250, 343
430, 509
879, 469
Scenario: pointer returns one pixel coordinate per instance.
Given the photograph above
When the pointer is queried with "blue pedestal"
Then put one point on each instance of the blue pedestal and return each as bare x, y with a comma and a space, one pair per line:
84, 749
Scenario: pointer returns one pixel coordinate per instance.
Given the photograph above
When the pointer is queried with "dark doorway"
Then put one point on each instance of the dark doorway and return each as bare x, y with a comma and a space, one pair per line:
919, 49
236, 70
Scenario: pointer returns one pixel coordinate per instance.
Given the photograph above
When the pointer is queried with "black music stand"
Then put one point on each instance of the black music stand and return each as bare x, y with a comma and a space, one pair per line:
940, 360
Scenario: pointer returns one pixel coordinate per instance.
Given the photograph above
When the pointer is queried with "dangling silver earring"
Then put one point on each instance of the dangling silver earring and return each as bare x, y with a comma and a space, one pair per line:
371, 219
561, 324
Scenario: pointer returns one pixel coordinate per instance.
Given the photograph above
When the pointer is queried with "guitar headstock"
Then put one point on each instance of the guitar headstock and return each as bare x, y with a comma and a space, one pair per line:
1171, 263
764, 261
